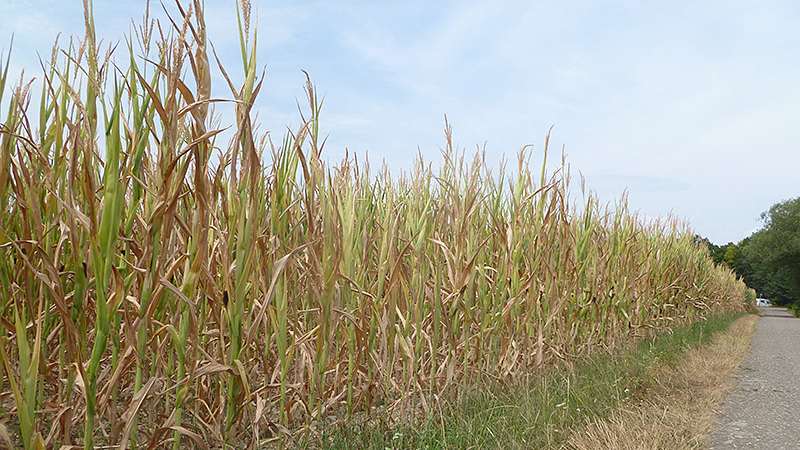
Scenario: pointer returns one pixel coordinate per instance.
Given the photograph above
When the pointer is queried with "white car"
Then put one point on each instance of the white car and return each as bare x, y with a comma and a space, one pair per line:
763, 302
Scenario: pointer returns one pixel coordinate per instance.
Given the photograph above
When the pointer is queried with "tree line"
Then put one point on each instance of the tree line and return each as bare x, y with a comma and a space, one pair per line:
769, 259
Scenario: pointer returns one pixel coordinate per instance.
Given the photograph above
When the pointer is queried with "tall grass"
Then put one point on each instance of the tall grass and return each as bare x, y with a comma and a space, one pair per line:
161, 288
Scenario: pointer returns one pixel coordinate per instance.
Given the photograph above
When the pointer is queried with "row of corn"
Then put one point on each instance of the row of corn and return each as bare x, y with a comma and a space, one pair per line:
163, 288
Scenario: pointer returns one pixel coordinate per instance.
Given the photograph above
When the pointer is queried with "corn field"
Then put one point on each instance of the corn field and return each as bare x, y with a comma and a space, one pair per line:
162, 288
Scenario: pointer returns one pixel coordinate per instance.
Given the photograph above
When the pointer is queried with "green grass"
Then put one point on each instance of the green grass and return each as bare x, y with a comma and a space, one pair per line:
537, 413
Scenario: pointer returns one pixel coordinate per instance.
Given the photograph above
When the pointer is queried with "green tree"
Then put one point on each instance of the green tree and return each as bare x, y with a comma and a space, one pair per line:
717, 253
731, 252
773, 254
728, 254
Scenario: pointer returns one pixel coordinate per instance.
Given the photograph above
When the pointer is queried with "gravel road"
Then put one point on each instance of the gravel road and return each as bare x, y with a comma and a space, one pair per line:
762, 410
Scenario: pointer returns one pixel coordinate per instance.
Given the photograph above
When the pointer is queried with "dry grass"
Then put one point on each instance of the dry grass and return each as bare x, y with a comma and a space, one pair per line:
5, 438
678, 408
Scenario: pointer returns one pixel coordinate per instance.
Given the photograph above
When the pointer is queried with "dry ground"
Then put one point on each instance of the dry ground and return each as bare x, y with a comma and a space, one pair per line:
678, 408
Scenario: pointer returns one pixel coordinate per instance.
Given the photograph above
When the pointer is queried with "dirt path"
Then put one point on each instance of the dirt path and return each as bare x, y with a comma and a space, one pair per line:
762, 410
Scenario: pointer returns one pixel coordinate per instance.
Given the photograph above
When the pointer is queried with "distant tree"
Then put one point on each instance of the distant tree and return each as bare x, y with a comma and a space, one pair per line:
717, 253
772, 254
731, 252
755, 274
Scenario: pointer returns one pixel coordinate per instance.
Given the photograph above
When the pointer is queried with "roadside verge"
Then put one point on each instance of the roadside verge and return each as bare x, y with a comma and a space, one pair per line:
677, 407
590, 407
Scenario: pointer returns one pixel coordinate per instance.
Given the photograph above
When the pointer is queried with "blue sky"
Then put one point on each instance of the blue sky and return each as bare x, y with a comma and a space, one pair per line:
693, 106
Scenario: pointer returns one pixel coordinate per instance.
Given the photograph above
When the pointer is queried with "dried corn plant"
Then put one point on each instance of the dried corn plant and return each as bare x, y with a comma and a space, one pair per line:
161, 289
